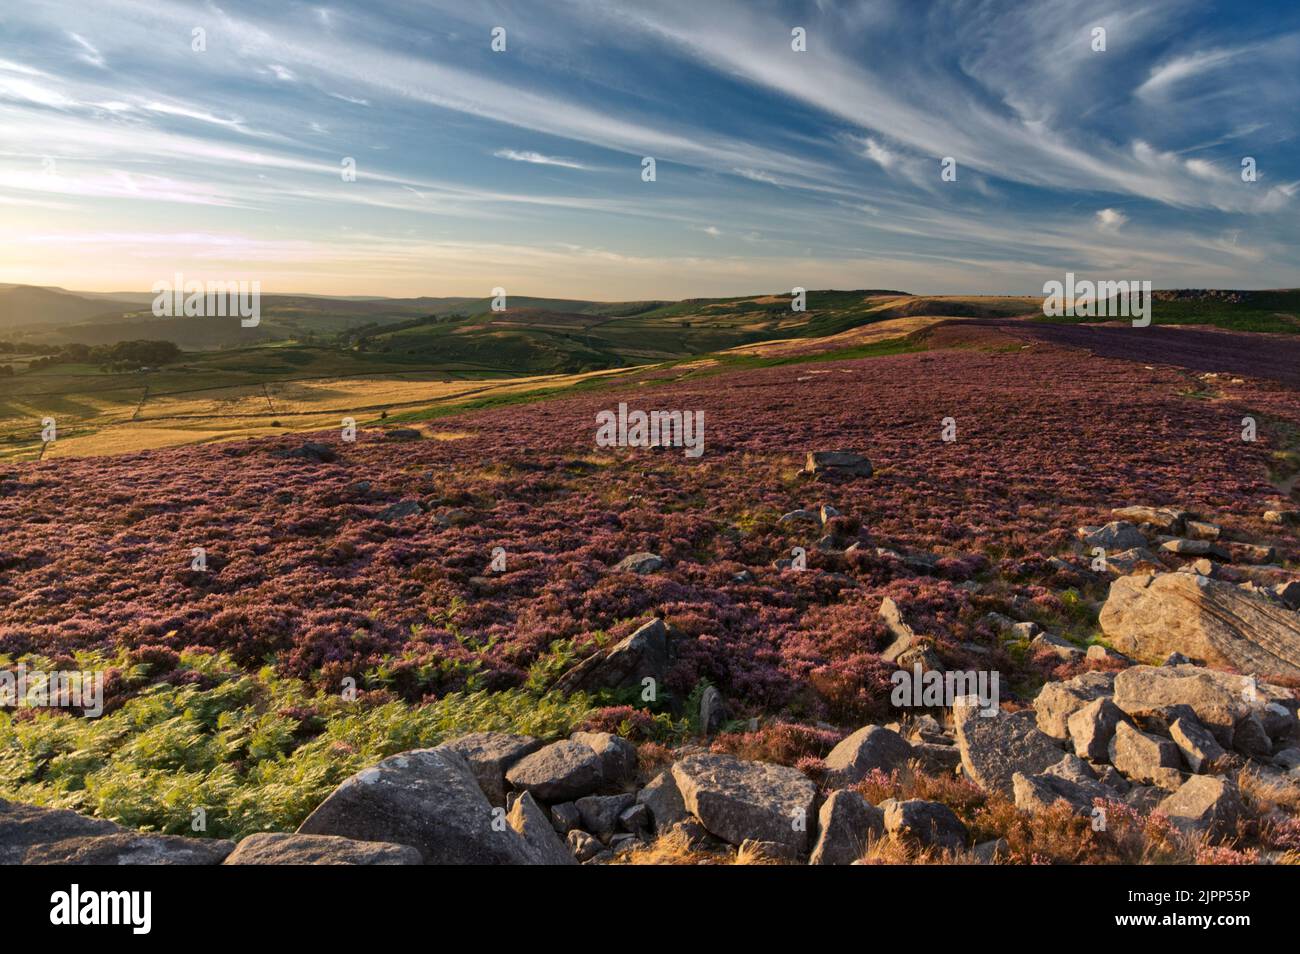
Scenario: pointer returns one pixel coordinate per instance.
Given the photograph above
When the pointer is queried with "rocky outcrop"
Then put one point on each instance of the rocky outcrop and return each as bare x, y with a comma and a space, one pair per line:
1204, 803
931, 824
559, 772
489, 755
1152, 615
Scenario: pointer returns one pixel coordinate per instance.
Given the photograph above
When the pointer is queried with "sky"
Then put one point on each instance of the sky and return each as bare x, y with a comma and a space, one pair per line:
139, 140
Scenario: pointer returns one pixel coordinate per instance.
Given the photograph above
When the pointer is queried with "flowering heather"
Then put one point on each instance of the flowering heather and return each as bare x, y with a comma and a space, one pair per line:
308, 573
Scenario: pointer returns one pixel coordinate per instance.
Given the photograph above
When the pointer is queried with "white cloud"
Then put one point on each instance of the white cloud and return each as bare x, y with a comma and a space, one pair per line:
1111, 220
88, 52
516, 155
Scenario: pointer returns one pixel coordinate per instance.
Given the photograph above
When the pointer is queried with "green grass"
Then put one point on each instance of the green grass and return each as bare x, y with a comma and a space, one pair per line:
1275, 312
254, 751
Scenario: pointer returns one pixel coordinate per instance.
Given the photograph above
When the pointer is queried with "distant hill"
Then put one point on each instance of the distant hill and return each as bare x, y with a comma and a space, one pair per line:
44, 307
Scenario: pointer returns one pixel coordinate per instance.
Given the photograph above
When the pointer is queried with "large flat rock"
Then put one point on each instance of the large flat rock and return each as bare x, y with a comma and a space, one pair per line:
995, 747
1153, 615
283, 848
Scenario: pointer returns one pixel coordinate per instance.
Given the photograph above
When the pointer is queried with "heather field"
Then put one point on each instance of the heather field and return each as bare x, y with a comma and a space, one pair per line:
373, 565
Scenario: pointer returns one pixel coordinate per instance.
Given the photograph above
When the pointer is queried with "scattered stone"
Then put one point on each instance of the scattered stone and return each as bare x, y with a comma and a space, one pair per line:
937, 759
737, 800
279, 848
796, 516
639, 563
839, 463
931, 823
428, 799
529, 819
560, 772
1201, 530
1288, 759
1197, 548
1055, 645
1038, 793
1144, 758
844, 825
1131, 561
1288, 593
617, 755
600, 813
635, 818
1220, 700
1291, 517
1166, 519
400, 510
1115, 536
1092, 727
1204, 803
828, 513
1057, 701
583, 846
1250, 737
646, 653
1251, 553
713, 711
456, 517
1099, 653
664, 801
993, 748
990, 852
871, 747
565, 817
310, 450
1152, 615
1024, 630
1200, 750
489, 755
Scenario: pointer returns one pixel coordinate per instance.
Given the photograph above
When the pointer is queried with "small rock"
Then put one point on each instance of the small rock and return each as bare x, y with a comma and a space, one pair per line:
646, 653
844, 463
845, 824
489, 755
529, 819
713, 711
400, 510
600, 813
797, 516
1201, 530
1204, 803
1200, 750
1115, 536
1055, 646
639, 563
582, 845
664, 801
1145, 758
618, 758
871, 747
931, 823
1057, 701
635, 818
1167, 519
1092, 727
565, 817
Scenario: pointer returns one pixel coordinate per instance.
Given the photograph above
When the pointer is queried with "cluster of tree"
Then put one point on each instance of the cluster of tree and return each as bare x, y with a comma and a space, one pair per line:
120, 356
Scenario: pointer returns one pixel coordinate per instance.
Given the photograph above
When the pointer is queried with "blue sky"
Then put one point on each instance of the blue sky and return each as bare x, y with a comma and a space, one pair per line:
126, 155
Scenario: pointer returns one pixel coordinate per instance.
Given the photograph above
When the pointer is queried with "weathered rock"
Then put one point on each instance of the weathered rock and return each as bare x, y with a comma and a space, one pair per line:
844, 825
401, 510
930, 823
1282, 517
1057, 701
713, 711
993, 748
904, 636
1250, 552
639, 563
456, 517
1201, 530
129, 848
1167, 519
583, 846
844, 463
871, 747
1115, 536
1204, 803
1092, 727
1055, 645
1250, 737
1182, 547
992, 851
565, 817
489, 755
738, 800
936, 759
1153, 615
797, 516
600, 813
1099, 653
559, 772
22, 826
1069, 780
1131, 561
1144, 758
1200, 750
827, 513
635, 818
1288, 593
646, 653
664, 800
403, 434
310, 450
426, 798
279, 848
545, 846
617, 758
